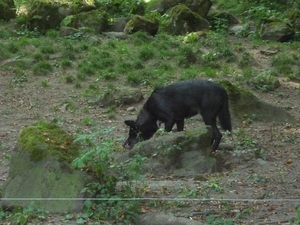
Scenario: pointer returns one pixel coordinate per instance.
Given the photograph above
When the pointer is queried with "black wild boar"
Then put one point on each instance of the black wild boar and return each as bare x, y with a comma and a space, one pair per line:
173, 103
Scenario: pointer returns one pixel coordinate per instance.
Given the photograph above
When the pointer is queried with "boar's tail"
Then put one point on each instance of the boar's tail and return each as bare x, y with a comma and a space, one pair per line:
224, 116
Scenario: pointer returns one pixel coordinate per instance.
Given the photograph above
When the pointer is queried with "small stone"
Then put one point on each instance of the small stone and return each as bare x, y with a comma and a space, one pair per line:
131, 109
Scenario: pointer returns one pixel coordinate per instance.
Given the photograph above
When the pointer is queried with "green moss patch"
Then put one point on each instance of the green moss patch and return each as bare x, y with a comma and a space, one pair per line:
45, 138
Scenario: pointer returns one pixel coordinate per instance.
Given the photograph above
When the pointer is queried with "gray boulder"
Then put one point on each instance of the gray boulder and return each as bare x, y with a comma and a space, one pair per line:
183, 20
276, 31
97, 20
40, 171
120, 96
140, 23
183, 153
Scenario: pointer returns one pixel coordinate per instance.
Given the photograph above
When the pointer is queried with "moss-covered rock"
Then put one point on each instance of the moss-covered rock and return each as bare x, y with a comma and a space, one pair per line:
275, 31
7, 9
95, 19
201, 7
140, 23
44, 15
42, 139
40, 169
244, 104
183, 20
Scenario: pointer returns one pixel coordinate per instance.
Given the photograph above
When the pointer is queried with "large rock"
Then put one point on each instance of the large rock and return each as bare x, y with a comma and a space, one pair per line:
201, 7
276, 31
95, 19
40, 171
117, 24
183, 153
243, 104
119, 96
140, 23
7, 9
48, 15
183, 20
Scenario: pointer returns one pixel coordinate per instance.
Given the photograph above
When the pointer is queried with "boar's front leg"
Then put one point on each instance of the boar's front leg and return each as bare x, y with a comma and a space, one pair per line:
169, 125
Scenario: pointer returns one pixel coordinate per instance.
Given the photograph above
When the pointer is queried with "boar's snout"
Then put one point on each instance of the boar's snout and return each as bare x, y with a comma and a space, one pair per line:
128, 144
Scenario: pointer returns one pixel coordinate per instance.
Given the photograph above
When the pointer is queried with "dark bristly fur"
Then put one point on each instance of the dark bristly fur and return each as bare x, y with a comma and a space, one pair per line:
173, 103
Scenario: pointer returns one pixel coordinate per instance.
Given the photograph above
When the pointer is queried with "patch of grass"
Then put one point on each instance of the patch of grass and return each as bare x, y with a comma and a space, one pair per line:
138, 64
47, 49
189, 73
39, 56
42, 68
140, 38
13, 47
101, 60
5, 32
5, 112
124, 67
134, 78
283, 63
68, 54
147, 52
78, 85
19, 72
186, 55
109, 75
86, 68
70, 79
81, 76
238, 46
93, 87
45, 83
70, 105
208, 72
88, 121
66, 63
245, 60
111, 116
5, 53
52, 33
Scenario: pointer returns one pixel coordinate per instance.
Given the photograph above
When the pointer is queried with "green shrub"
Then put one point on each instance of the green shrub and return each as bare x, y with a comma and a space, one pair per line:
98, 159
265, 81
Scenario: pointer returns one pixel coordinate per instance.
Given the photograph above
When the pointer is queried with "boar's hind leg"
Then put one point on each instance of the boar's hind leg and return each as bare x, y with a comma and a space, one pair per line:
180, 125
210, 119
217, 136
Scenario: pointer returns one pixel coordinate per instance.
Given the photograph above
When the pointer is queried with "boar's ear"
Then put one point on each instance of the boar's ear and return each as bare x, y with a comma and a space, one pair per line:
130, 123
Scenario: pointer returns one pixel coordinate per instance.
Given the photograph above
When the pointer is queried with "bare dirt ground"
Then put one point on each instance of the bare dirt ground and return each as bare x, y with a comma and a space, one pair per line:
262, 189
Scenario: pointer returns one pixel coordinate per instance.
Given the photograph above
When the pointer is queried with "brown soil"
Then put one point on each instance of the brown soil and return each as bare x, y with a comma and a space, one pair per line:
259, 189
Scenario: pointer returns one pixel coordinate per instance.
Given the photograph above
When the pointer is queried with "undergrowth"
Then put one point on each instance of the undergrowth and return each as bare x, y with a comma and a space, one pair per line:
113, 180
